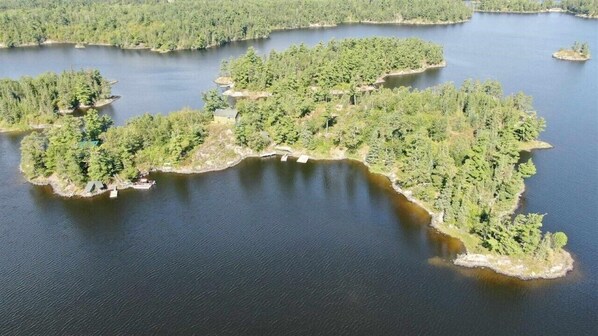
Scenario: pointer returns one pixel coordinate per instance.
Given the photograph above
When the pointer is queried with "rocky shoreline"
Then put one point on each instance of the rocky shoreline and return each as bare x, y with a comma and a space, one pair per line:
517, 267
570, 55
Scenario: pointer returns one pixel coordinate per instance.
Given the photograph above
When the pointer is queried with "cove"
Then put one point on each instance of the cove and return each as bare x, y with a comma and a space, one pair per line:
223, 253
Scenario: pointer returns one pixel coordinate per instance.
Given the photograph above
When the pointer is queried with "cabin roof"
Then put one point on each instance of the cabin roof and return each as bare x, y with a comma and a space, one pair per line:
93, 185
226, 113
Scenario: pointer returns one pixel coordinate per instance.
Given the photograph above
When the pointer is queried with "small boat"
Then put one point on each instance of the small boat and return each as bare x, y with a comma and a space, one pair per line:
144, 184
114, 193
284, 158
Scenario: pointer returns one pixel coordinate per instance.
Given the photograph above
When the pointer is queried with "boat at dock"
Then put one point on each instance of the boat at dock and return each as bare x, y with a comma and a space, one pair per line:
144, 184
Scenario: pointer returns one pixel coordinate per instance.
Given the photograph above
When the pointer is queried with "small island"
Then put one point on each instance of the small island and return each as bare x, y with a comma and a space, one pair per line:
579, 52
33, 103
453, 151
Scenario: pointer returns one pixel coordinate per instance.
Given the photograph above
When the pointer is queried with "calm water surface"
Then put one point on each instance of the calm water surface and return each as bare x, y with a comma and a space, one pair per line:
321, 248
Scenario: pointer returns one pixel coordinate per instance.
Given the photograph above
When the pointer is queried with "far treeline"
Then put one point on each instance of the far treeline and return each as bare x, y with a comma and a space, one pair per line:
456, 149
198, 24
580, 7
37, 101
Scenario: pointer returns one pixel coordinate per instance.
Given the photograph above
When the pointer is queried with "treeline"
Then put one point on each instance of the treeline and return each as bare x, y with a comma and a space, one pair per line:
456, 149
77, 150
32, 101
198, 24
338, 64
515, 5
581, 48
580, 7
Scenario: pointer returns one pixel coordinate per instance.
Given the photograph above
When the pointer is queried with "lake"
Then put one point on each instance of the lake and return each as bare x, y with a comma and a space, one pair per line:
271, 248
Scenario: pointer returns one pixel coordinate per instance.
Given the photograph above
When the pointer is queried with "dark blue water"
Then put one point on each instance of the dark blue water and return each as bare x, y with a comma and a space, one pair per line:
322, 248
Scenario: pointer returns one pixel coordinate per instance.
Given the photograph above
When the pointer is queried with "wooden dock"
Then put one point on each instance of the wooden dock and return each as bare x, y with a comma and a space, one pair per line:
268, 154
114, 193
284, 158
303, 159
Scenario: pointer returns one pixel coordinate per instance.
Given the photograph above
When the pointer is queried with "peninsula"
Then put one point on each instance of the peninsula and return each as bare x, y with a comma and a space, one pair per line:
33, 103
453, 151
579, 52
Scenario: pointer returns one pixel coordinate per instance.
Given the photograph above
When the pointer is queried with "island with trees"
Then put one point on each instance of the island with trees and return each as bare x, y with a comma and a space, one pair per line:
37, 102
164, 25
578, 52
581, 8
454, 151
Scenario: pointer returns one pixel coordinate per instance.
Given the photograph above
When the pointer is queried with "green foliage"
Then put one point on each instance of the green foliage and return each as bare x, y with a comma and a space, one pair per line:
581, 7
456, 149
34, 101
95, 124
78, 150
527, 169
33, 160
198, 24
515, 5
340, 65
213, 101
560, 240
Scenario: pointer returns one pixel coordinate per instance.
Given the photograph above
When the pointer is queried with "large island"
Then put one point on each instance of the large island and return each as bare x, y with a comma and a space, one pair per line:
199, 24
454, 151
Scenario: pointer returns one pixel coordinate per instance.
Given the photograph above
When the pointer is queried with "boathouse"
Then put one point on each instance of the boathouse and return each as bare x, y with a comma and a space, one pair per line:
227, 115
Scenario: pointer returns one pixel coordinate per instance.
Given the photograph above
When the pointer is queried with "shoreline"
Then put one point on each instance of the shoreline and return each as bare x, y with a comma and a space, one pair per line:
382, 79
544, 11
226, 82
512, 266
82, 45
565, 55
26, 128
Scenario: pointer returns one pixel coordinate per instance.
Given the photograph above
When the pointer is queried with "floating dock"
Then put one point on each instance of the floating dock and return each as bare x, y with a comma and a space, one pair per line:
303, 159
114, 193
284, 158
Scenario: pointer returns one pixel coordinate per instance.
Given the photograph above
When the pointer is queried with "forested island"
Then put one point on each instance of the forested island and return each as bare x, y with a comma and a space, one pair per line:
197, 24
577, 52
581, 8
454, 151
36, 102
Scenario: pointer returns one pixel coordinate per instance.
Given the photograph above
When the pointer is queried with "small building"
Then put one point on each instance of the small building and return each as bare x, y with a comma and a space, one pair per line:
93, 186
227, 115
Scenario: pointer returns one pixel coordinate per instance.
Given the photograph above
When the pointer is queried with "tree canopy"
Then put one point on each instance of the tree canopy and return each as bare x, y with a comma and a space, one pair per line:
336, 64
36, 101
198, 24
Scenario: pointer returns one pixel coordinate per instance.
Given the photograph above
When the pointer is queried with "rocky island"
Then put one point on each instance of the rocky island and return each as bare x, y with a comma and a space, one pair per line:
579, 52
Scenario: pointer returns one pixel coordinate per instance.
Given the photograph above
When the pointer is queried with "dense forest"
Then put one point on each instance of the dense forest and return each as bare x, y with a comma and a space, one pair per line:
579, 7
582, 7
456, 149
337, 64
82, 149
198, 24
30, 102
